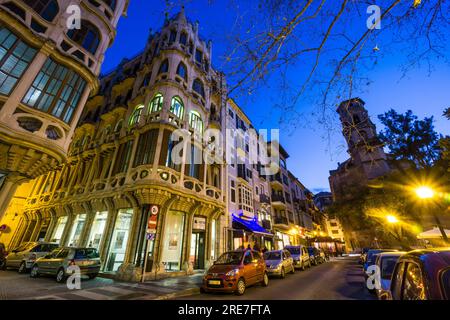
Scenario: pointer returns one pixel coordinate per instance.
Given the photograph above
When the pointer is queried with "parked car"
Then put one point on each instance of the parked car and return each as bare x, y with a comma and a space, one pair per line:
278, 262
316, 256
57, 262
24, 256
300, 255
371, 258
234, 271
386, 262
422, 275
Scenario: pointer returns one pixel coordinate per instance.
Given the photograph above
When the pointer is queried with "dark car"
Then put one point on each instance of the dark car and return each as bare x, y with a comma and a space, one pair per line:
371, 257
422, 275
315, 256
234, 271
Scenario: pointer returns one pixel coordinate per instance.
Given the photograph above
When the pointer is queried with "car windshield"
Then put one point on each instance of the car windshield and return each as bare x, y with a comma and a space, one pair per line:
387, 267
86, 254
230, 258
274, 255
293, 250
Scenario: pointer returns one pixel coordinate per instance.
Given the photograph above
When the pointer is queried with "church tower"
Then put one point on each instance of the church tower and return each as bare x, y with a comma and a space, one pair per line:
364, 147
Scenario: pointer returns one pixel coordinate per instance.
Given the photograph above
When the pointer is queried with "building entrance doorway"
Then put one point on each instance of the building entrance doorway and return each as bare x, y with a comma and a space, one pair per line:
197, 255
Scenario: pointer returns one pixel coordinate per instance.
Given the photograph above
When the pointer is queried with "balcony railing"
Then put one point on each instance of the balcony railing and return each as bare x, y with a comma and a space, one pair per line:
281, 220
278, 198
264, 198
266, 224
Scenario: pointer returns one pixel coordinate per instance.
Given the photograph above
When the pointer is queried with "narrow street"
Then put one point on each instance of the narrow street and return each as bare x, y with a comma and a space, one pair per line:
340, 279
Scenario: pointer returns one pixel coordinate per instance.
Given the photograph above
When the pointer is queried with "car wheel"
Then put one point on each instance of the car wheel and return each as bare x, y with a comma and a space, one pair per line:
282, 273
93, 276
60, 276
22, 267
265, 281
240, 287
34, 271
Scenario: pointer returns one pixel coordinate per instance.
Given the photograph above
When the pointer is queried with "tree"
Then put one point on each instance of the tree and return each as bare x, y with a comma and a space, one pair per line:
409, 138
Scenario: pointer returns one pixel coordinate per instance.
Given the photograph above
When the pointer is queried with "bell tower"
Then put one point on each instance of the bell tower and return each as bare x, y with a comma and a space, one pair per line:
360, 133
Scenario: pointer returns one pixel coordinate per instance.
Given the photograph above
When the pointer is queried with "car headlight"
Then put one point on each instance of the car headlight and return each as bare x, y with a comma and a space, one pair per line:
275, 266
232, 273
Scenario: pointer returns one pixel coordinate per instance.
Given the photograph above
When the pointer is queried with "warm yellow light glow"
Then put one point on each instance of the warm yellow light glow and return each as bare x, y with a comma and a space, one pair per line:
391, 219
293, 231
425, 192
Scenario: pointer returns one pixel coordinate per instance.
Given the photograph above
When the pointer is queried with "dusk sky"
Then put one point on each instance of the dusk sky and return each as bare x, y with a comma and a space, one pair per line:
312, 153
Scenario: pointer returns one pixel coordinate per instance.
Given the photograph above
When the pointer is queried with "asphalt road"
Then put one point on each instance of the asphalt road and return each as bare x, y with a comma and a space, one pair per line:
340, 279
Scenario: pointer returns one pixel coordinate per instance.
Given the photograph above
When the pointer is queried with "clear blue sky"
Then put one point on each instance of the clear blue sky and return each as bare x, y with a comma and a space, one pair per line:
312, 152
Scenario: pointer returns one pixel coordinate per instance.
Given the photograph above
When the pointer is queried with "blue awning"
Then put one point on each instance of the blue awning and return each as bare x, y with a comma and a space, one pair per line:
251, 226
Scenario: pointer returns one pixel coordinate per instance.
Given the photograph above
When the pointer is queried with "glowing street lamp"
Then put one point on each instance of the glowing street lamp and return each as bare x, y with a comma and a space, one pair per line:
391, 219
424, 192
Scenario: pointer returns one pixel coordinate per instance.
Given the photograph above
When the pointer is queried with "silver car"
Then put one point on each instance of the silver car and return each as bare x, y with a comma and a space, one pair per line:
278, 262
57, 263
23, 257
386, 263
300, 255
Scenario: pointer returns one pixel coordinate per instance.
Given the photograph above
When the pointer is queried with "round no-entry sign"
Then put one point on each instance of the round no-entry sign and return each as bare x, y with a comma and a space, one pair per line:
154, 210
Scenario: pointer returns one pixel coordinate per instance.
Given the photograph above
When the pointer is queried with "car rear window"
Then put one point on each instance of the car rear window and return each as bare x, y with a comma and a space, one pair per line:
86, 254
446, 283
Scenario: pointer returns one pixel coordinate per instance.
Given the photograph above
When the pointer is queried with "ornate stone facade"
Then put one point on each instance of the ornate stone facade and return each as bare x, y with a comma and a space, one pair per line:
47, 73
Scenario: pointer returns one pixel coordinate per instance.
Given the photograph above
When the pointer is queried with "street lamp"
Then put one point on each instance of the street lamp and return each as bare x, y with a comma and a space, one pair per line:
391, 219
426, 193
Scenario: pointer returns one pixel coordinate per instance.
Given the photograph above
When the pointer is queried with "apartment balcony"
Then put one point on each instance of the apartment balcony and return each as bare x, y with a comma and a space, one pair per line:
275, 182
278, 201
266, 224
281, 220
264, 198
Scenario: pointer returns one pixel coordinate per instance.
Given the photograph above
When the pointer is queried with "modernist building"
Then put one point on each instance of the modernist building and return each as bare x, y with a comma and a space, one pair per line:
47, 72
120, 169
123, 191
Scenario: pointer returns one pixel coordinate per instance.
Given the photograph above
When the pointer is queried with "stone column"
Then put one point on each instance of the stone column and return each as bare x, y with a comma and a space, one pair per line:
51, 226
132, 239
7, 191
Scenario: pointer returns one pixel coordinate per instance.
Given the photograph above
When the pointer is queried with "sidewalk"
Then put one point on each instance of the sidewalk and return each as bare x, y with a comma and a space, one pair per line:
151, 290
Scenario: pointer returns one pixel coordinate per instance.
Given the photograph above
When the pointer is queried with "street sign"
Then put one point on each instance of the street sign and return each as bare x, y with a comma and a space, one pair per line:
150, 236
154, 210
152, 220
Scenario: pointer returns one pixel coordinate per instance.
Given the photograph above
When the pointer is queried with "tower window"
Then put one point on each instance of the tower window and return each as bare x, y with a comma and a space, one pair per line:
177, 107
164, 67
183, 38
136, 115
15, 56
88, 36
182, 71
55, 90
47, 9
198, 56
195, 121
157, 103
197, 86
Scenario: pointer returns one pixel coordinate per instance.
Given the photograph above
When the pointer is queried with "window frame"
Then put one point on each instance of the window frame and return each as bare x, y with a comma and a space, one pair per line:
179, 113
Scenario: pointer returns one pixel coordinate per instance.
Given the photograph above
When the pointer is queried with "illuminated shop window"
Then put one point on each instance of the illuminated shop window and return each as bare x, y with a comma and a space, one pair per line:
56, 90
177, 107
15, 56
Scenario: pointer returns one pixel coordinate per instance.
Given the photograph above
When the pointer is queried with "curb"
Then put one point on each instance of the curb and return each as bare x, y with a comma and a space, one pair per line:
177, 294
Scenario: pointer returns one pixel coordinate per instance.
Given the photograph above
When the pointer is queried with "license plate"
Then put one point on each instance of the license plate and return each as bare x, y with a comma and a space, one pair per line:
85, 263
214, 282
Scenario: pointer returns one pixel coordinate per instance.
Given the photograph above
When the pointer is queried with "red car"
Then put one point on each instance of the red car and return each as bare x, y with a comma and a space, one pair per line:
234, 271
422, 275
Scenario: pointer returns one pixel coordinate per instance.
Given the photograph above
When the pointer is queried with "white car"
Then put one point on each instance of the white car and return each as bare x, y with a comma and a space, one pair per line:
386, 263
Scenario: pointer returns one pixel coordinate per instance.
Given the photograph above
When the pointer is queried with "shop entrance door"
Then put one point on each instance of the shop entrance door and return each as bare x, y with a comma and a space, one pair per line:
197, 255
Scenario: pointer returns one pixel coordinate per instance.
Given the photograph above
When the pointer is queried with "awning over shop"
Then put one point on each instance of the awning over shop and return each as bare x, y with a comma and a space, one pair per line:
250, 226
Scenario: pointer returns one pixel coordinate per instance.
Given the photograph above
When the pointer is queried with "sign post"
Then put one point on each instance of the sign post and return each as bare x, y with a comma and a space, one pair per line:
150, 234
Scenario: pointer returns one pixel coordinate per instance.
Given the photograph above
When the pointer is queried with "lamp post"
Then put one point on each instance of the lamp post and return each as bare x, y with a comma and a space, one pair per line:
427, 193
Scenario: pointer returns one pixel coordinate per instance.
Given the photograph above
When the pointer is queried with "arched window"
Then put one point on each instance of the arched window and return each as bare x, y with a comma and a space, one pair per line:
177, 107
47, 9
136, 115
156, 104
88, 36
197, 86
164, 67
182, 71
195, 121
183, 38
118, 126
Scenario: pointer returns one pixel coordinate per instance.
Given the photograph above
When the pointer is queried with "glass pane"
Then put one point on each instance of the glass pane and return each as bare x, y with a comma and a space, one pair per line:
119, 240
